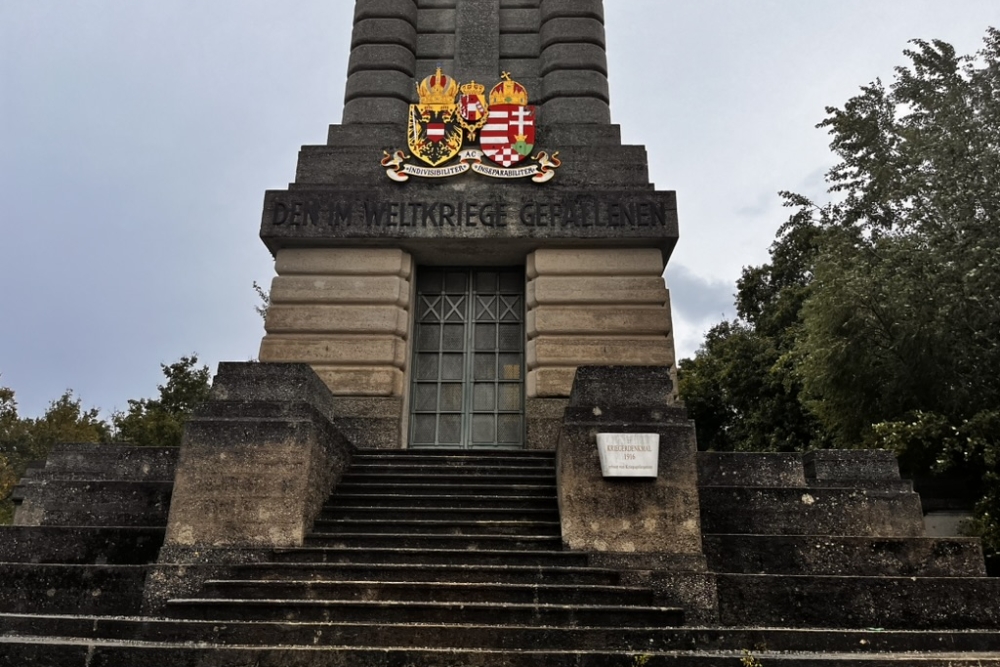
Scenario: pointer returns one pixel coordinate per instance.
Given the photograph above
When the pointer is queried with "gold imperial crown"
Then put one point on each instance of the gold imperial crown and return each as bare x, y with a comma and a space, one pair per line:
438, 91
509, 91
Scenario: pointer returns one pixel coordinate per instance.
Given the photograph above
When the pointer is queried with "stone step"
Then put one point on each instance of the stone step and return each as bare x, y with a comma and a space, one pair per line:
916, 603
71, 589
464, 612
840, 643
810, 511
435, 556
104, 462
416, 541
68, 653
341, 512
96, 503
432, 527
427, 572
455, 463
439, 500
80, 545
496, 477
429, 487
450, 472
457, 456
832, 555
435, 591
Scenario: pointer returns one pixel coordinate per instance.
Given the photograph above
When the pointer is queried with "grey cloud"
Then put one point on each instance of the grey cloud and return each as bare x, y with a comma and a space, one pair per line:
697, 299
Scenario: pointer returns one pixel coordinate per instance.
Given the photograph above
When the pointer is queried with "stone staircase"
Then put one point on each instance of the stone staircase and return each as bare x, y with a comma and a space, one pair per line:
434, 537
447, 559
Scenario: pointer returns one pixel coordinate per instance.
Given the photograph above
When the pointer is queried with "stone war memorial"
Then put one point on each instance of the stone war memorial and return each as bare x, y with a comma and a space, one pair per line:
463, 444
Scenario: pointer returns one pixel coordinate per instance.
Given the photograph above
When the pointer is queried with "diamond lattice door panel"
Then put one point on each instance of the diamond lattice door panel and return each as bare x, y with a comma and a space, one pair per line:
468, 370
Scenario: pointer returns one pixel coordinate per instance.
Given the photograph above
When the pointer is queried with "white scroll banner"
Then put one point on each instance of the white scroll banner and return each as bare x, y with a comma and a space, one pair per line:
542, 171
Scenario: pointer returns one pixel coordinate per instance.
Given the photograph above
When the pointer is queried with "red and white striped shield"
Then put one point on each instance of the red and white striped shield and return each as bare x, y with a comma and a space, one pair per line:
509, 134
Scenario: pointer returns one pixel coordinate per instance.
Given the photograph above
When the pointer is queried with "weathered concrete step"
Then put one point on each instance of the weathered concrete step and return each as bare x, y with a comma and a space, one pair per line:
339, 512
486, 477
831, 555
97, 503
87, 461
810, 511
456, 454
420, 556
75, 653
413, 541
437, 591
444, 469
77, 545
426, 612
429, 488
841, 643
454, 462
441, 500
79, 589
428, 572
915, 603
431, 527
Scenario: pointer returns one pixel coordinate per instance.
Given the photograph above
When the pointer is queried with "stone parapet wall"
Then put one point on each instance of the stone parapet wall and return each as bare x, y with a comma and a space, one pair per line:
346, 313
594, 308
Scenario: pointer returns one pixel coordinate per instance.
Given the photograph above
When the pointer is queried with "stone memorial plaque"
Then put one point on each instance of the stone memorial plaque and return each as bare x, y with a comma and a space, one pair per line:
629, 454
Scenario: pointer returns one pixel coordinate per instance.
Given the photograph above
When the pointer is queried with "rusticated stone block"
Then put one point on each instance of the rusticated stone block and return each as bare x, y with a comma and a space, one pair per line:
575, 83
375, 110
381, 84
386, 9
338, 319
609, 290
441, 21
589, 351
385, 31
513, 45
344, 261
383, 57
554, 9
576, 110
574, 56
599, 320
572, 31
366, 381
594, 262
525, 20
346, 350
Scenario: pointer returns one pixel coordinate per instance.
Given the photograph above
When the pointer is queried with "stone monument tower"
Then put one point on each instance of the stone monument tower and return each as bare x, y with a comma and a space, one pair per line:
466, 449
473, 232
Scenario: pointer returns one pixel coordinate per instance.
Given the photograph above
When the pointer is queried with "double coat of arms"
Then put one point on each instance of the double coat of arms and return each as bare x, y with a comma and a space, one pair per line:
449, 115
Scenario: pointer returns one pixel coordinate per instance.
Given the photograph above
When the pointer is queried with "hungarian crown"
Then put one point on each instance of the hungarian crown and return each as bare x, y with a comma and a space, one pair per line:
509, 91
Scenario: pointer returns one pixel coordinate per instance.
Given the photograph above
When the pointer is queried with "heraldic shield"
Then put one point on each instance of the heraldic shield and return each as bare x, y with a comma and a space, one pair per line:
509, 135
434, 133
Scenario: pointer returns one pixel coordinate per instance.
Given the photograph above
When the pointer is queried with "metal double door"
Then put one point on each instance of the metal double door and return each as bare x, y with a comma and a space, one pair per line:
467, 389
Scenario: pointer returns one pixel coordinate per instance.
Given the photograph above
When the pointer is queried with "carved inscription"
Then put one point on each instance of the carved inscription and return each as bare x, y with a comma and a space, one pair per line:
533, 214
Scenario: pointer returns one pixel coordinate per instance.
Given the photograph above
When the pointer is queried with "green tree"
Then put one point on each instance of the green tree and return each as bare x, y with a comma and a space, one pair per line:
904, 307
160, 422
742, 388
881, 308
23, 440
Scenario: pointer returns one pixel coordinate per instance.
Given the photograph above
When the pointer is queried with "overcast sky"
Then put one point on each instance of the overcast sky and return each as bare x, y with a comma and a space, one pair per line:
137, 139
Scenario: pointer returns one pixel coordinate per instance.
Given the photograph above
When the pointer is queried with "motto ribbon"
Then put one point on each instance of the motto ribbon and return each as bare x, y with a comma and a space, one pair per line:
400, 171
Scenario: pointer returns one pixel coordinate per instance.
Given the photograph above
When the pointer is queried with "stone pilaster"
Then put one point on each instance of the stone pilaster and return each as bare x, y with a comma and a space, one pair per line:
594, 308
